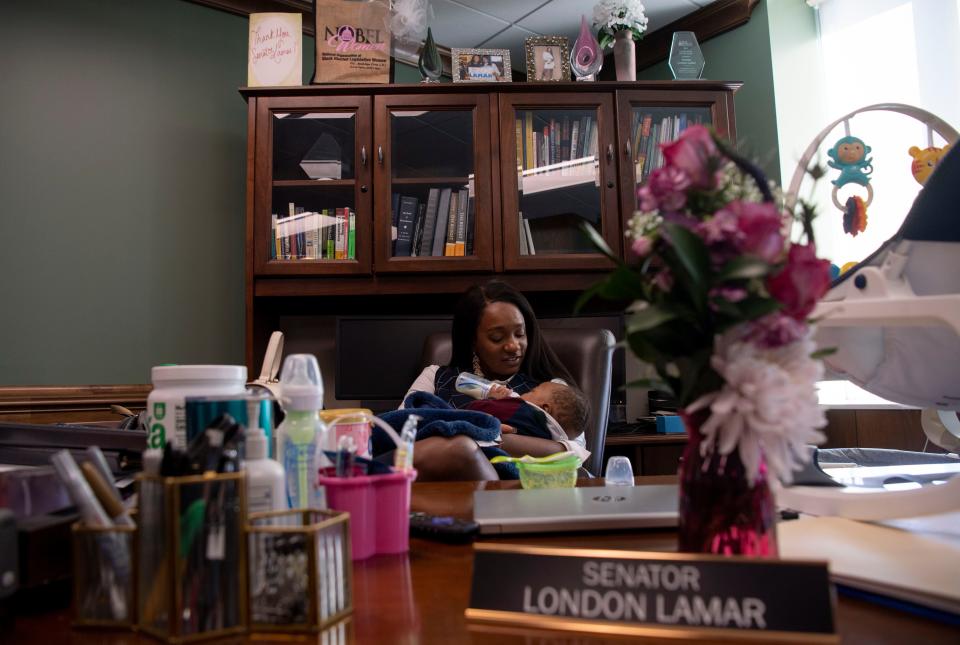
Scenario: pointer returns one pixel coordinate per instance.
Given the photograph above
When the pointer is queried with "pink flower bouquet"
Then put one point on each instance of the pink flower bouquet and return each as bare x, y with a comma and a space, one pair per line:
720, 301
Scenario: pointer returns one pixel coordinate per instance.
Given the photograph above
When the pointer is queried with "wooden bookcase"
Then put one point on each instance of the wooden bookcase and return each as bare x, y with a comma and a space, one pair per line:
490, 145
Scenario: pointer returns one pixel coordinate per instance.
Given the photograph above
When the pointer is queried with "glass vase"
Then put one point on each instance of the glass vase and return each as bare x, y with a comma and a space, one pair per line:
429, 63
721, 512
586, 58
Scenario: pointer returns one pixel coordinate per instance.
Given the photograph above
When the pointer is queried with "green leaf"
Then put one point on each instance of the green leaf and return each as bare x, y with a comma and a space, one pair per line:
756, 307
648, 318
597, 240
691, 254
744, 267
648, 383
823, 353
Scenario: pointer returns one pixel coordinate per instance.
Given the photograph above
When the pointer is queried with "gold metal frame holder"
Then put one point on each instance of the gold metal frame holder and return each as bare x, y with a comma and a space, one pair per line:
301, 572
104, 576
192, 559
562, 58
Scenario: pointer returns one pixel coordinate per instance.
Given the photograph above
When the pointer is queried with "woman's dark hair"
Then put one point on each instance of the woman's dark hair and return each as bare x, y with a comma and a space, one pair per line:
539, 361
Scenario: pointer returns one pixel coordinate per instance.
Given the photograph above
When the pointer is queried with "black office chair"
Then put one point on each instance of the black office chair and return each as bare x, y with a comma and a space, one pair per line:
587, 354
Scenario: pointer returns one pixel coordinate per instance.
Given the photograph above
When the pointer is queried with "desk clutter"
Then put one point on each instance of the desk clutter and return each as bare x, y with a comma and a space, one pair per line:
237, 526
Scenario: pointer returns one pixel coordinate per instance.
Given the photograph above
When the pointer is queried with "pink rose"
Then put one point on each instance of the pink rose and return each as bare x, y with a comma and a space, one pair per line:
668, 186
801, 282
695, 153
663, 280
760, 229
720, 228
646, 200
642, 246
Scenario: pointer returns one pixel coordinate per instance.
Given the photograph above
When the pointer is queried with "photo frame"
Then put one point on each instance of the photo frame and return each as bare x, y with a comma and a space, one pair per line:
548, 59
480, 65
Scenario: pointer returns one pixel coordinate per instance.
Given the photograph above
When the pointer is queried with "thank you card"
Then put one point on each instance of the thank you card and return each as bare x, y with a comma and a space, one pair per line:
652, 594
275, 55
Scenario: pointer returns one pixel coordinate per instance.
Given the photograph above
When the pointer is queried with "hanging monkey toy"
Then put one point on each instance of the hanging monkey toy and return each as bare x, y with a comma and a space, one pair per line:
849, 156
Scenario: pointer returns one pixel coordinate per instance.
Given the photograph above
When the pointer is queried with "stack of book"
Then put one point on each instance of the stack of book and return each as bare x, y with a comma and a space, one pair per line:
649, 131
526, 237
543, 142
443, 225
329, 234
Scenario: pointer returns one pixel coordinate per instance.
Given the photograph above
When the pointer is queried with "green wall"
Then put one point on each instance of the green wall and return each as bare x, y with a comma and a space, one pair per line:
122, 192
743, 54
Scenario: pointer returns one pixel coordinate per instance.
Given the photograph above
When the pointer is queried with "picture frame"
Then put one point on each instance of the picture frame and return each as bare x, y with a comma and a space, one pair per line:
548, 59
480, 65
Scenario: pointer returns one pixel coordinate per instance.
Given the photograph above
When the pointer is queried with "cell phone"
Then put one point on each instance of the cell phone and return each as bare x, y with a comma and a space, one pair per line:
442, 528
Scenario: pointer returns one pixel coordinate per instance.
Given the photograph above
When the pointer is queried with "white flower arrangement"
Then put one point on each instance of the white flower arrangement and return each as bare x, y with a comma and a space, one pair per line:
409, 18
767, 406
612, 16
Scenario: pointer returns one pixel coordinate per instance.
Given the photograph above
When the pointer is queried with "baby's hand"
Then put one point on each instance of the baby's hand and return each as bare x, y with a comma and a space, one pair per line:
498, 391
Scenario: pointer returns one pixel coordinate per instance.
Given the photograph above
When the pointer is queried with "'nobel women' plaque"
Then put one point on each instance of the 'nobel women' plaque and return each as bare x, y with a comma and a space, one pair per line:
353, 42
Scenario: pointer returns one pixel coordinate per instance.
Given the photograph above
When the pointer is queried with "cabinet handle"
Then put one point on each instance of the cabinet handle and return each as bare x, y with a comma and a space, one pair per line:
609, 152
363, 155
626, 148
380, 154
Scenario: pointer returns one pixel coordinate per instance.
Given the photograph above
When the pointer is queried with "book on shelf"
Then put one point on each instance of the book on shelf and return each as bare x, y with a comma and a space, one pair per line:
418, 229
460, 239
529, 234
425, 247
451, 240
395, 202
650, 131
352, 237
405, 223
521, 235
440, 229
471, 225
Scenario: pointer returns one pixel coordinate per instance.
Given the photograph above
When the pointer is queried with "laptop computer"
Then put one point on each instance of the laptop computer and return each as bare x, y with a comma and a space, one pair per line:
575, 509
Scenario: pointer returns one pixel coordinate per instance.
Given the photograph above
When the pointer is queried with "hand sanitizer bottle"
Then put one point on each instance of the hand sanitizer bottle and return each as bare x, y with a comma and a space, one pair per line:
302, 432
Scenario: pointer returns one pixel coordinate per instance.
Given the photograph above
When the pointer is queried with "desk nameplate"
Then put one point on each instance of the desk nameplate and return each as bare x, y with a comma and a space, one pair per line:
662, 595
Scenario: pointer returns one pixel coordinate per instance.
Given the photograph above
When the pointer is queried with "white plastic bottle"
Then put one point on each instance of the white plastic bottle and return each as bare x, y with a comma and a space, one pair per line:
302, 433
265, 486
166, 411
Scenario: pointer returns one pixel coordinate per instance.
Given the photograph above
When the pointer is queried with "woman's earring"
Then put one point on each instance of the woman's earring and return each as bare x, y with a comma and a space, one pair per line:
476, 366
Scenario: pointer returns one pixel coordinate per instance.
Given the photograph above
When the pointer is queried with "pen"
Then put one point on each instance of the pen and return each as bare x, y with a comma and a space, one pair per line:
113, 506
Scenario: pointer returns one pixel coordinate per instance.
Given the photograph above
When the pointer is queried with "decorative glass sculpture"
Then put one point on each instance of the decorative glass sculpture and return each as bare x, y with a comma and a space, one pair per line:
431, 67
586, 58
721, 512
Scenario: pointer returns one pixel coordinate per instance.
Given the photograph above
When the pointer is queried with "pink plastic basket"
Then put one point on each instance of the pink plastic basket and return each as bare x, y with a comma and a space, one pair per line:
379, 507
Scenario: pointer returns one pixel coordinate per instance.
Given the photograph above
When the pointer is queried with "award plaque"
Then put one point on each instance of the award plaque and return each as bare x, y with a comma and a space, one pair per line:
686, 59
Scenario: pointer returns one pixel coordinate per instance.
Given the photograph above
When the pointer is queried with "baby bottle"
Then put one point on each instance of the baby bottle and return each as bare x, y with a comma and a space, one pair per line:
302, 431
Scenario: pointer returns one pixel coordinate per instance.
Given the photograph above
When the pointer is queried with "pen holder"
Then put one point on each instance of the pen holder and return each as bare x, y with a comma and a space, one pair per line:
192, 560
300, 570
104, 575
379, 507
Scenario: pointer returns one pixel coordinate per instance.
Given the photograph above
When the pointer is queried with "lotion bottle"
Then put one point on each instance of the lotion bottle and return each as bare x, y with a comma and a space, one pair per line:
265, 487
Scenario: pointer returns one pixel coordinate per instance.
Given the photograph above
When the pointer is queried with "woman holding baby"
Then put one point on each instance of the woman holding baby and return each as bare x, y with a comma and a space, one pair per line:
495, 335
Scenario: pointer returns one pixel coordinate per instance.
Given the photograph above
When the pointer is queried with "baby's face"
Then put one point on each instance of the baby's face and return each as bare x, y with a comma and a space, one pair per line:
541, 395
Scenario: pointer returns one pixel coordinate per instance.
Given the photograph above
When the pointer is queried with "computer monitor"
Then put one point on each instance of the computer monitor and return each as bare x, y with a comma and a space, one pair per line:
378, 357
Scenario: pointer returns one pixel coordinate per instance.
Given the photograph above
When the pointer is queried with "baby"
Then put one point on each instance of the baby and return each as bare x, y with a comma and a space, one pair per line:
524, 414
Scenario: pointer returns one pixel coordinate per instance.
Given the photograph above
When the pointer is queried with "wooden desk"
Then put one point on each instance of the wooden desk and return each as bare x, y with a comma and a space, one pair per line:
420, 598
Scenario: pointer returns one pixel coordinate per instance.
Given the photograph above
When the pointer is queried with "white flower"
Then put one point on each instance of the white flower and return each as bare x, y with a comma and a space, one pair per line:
643, 224
617, 15
767, 406
409, 18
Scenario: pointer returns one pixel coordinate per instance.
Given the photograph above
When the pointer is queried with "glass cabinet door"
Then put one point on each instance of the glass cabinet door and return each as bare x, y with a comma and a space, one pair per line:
313, 215
558, 175
648, 119
432, 183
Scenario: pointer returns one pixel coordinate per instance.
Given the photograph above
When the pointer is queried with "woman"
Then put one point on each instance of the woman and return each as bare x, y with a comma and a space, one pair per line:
496, 336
